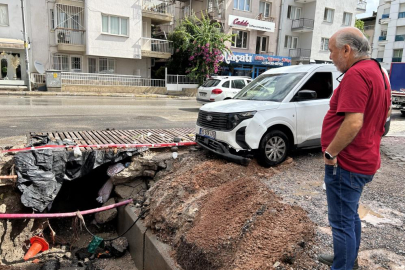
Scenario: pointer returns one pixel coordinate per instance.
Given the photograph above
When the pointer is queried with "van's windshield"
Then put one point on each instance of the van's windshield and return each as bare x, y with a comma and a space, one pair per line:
270, 87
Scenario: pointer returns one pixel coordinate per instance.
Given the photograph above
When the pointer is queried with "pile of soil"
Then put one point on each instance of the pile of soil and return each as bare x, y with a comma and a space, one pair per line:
219, 215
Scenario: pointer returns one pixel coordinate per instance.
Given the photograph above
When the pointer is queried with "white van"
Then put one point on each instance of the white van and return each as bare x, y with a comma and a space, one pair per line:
282, 109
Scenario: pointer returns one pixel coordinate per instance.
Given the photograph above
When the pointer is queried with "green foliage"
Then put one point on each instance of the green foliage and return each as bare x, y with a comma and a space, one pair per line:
359, 24
199, 44
4, 69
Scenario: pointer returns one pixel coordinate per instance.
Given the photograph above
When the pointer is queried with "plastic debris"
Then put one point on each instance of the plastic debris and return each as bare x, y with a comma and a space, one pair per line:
115, 169
37, 244
77, 152
95, 243
105, 191
174, 155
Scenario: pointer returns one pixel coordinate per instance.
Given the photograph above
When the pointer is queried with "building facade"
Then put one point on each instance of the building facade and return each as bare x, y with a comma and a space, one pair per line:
389, 38
94, 36
12, 53
369, 27
254, 24
306, 26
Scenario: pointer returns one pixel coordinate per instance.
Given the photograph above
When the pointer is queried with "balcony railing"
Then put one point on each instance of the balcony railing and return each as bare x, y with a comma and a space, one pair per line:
396, 59
160, 7
157, 45
302, 24
362, 5
385, 16
379, 59
216, 13
70, 36
400, 38
382, 38
401, 15
180, 79
300, 53
73, 78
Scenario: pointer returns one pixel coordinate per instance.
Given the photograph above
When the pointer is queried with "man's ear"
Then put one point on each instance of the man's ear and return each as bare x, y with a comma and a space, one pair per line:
347, 49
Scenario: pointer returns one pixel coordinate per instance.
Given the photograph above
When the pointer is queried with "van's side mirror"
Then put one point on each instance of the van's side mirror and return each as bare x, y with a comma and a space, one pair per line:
305, 95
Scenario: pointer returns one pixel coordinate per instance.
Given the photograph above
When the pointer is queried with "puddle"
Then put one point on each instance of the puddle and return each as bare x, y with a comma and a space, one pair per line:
380, 216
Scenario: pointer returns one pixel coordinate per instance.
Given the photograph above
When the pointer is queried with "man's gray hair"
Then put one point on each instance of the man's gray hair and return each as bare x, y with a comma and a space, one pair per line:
359, 44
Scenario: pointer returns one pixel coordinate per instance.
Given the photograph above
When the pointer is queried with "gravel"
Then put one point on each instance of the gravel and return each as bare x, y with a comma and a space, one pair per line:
381, 206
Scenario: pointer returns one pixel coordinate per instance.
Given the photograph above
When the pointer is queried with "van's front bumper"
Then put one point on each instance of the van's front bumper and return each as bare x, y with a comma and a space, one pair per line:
221, 149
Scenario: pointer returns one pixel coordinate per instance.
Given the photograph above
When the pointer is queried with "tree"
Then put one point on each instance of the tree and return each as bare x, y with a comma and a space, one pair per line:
360, 25
199, 45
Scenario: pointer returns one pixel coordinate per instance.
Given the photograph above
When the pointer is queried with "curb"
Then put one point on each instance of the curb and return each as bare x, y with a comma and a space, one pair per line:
88, 94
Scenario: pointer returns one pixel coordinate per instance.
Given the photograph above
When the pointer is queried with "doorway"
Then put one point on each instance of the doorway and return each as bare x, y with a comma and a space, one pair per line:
258, 71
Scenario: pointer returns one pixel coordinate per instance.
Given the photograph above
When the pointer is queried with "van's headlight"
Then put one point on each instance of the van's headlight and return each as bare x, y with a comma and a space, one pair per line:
236, 118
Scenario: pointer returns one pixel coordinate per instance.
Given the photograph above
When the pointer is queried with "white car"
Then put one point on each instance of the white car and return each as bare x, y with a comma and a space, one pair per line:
280, 110
221, 88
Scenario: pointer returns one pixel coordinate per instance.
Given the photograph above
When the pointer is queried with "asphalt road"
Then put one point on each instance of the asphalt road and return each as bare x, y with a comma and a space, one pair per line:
21, 115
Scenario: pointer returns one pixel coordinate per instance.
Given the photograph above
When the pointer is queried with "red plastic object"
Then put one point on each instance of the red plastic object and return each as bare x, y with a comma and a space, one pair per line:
37, 244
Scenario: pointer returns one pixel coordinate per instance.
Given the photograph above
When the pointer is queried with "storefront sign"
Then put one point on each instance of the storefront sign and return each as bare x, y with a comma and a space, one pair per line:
256, 59
251, 23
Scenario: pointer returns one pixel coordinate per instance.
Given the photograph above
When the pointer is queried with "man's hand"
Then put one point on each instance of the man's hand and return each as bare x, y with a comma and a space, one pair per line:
329, 161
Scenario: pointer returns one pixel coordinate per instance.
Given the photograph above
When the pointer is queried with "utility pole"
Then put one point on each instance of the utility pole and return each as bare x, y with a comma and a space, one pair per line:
27, 63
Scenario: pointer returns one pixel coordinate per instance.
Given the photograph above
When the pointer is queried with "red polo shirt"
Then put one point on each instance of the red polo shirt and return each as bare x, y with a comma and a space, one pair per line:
362, 90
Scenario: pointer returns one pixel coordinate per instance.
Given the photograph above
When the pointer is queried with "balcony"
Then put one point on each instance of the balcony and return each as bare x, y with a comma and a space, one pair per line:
70, 40
382, 38
73, 3
216, 13
304, 1
300, 54
302, 25
157, 48
396, 59
400, 38
379, 60
361, 7
159, 12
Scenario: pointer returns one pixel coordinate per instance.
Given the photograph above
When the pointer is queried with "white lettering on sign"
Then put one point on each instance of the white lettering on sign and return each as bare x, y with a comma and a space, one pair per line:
251, 23
236, 58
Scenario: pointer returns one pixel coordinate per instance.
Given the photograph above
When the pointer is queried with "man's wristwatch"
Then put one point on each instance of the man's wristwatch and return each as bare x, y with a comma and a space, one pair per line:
329, 156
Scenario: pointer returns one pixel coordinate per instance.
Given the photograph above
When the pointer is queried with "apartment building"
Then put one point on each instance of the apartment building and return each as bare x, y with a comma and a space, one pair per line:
369, 27
12, 44
96, 36
306, 26
254, 23
389, 38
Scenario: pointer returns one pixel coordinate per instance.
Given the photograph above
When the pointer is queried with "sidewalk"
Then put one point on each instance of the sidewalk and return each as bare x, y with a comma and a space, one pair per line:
85, 94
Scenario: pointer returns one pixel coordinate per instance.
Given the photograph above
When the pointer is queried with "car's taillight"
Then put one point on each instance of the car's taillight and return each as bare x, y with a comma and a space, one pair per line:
216, 91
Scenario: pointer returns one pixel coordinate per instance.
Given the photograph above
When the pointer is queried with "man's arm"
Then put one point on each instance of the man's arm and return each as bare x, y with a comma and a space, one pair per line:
346, 133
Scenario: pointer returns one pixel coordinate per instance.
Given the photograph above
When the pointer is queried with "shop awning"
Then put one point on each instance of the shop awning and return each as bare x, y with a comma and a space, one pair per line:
8, 43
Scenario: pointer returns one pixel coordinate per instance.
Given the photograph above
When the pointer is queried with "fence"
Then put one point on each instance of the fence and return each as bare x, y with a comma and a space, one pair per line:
302, 23
300, 53
180, 82
157, 45
38, 78
68, 36
96, 79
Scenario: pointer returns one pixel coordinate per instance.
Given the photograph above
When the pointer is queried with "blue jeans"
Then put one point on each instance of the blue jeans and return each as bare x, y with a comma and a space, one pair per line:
343, 191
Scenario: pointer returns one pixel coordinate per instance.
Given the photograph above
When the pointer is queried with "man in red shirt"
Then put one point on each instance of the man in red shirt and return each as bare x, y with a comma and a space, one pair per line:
351, 136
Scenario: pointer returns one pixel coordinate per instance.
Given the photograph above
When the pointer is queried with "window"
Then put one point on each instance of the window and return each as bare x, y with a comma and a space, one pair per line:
261, 44
241, 5
328, 15
324, 44
238, 84
225, 84
3, 15
321, 83
240, 40
76, 63
75, 22
347, 18
92, 65
106, 65
63, 20
293, 13
114, 25
265, 9
52, 15
61, 62
397, 57
290, 42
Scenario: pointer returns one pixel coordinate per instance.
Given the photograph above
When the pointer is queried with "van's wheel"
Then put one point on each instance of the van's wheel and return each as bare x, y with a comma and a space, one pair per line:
273, 148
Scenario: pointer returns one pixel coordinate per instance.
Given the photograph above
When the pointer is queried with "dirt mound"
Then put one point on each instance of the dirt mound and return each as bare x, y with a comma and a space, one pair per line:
219, 215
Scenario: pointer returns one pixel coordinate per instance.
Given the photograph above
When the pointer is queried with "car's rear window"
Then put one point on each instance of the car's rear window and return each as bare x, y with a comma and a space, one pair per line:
211, 83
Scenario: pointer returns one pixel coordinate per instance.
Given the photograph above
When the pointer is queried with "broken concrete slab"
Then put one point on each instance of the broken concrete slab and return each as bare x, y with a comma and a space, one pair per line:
149, 173
106, 216
130, 190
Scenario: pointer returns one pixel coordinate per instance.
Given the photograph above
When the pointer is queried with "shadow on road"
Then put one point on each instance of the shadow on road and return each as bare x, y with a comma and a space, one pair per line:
189, 109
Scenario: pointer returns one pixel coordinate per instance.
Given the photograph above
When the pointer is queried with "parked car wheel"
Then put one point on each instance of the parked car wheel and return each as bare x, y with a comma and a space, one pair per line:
403, 113
273, 148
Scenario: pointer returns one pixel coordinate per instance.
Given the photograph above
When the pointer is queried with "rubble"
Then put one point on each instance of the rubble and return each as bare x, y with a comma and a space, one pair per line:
106, 216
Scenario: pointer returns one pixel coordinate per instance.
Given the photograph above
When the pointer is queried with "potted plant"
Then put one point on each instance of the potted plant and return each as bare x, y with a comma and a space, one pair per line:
4, 72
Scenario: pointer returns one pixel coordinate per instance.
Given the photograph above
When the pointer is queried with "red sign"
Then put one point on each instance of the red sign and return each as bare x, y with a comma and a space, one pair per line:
238, 22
